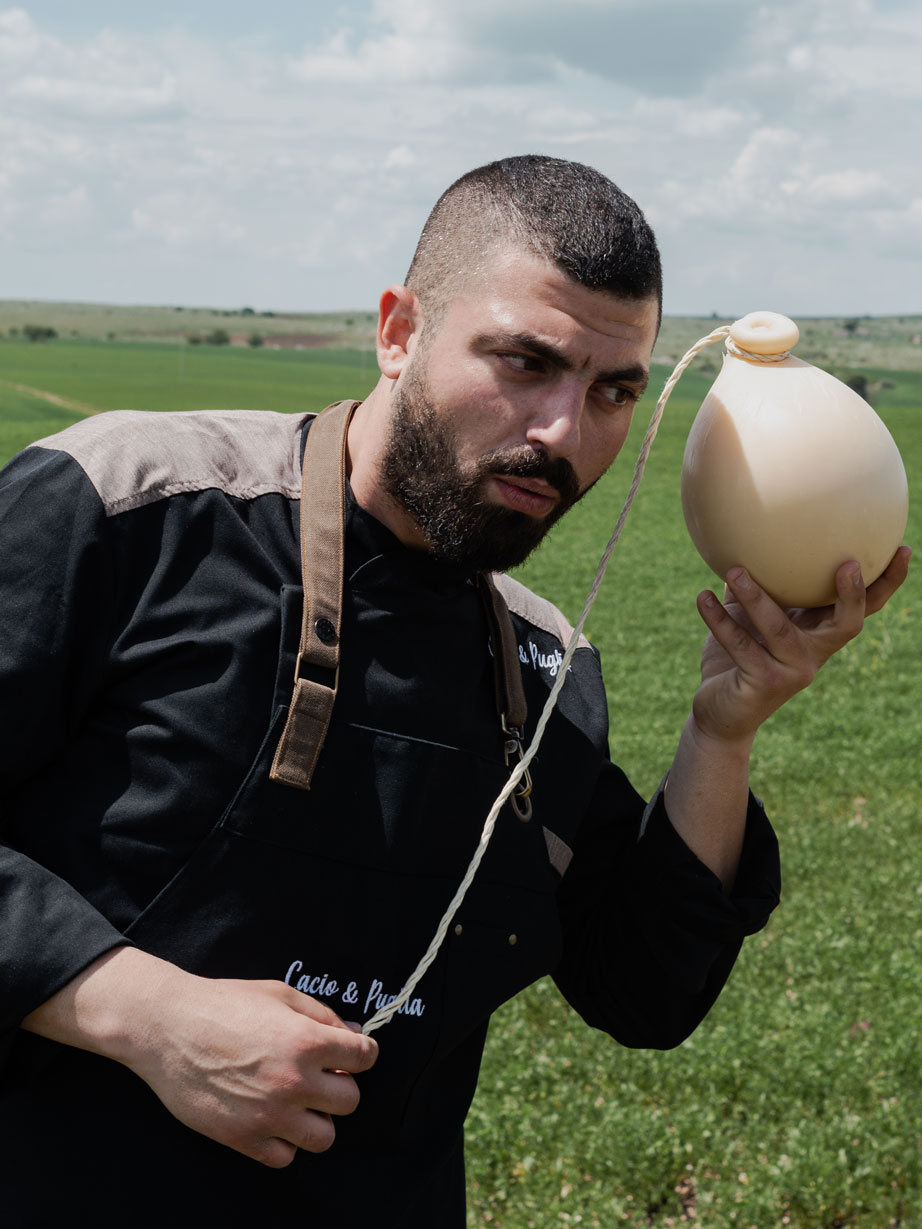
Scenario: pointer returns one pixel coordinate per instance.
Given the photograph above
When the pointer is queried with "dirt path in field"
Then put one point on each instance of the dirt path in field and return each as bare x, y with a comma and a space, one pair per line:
66, 403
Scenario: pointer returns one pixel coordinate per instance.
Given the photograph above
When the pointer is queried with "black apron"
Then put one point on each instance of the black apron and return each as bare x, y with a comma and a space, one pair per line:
338, 891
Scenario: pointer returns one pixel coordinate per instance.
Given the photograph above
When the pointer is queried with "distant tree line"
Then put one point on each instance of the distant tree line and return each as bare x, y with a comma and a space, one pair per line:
217, 311
220, 337
38, 332
217, 337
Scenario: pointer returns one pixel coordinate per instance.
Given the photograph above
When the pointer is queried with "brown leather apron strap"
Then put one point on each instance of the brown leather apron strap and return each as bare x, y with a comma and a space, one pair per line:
510, 694
323, 504
323, 481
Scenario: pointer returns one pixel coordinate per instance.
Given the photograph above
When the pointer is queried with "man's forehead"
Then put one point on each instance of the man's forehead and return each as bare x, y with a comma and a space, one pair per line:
586, 329
510, 277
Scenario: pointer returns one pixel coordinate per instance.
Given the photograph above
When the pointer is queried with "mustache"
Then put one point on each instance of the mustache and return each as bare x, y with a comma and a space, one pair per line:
527, 463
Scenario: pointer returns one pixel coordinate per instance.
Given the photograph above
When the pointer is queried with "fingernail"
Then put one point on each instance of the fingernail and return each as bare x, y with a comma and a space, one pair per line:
738, 578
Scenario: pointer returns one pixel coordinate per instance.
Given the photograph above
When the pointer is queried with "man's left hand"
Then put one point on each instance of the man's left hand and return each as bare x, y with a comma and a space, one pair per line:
759, 655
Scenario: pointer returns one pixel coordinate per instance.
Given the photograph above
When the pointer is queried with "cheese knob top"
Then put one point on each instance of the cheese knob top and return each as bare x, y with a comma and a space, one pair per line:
765, 333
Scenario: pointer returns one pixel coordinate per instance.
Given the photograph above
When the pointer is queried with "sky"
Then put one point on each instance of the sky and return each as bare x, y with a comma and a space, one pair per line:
285, 157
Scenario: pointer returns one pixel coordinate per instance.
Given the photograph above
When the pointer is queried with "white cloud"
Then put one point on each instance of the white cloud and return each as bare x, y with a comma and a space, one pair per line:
418, 42
848, 187
97, 99
666, 45
693, 120
186, 218
244, 162
68, 208
900, 229
19, 39
399, 156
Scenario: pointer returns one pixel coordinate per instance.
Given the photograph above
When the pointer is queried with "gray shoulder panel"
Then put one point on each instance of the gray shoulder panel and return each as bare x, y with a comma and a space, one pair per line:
536, 610
136, 457
559, 852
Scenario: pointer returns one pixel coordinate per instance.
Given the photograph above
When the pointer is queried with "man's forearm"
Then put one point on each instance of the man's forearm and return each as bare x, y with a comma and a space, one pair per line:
706, 798
103, 1008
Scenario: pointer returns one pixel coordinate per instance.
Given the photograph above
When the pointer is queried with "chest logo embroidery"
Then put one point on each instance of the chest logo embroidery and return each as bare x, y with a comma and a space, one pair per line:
531, 655
322, 986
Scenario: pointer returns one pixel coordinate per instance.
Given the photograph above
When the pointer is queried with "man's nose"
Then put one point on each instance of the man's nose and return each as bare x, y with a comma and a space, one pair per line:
556, 425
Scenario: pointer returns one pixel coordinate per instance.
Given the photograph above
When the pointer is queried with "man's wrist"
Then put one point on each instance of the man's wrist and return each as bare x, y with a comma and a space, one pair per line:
105, 1009
712, 741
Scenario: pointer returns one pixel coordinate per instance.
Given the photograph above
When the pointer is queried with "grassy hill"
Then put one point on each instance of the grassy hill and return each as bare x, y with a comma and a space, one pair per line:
111, 322
894, 342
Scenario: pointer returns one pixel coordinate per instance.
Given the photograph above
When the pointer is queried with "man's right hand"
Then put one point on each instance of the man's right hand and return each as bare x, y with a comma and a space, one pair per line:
255, 1065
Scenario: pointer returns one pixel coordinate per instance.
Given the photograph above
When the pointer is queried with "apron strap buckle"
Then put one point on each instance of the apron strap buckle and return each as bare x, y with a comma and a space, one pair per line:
514, 752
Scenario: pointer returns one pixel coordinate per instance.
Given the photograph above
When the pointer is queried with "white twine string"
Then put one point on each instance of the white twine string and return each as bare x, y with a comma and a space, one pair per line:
756, 358
385, 1013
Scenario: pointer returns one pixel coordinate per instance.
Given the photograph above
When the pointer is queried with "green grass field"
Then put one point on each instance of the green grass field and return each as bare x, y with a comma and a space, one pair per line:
798, 1101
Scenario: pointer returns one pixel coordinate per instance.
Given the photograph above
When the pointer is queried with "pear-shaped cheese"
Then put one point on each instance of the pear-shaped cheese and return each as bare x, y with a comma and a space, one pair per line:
790, 473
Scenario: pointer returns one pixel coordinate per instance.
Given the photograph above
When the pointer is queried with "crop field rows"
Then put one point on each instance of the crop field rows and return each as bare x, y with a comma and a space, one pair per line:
798, 1102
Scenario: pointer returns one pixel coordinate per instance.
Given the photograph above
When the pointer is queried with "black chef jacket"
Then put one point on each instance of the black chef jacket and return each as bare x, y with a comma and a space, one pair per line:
148, 630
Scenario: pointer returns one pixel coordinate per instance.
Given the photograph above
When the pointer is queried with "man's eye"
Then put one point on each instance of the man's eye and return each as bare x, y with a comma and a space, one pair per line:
618, 396
522, 362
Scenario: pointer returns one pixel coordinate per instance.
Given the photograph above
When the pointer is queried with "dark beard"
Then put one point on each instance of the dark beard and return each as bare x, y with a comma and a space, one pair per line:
420, 470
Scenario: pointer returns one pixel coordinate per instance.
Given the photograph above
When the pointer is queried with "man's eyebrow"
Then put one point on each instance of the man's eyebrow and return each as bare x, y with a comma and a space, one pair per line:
534, 345
633, 373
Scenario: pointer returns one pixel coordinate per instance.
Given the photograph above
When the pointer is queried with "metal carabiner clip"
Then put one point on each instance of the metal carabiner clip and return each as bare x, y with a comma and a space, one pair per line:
514, 752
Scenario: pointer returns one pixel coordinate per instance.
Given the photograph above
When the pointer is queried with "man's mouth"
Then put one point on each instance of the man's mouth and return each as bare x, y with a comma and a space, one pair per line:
533, 496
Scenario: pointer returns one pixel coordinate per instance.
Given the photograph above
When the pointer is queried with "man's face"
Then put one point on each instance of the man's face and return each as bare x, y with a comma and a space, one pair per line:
512, 408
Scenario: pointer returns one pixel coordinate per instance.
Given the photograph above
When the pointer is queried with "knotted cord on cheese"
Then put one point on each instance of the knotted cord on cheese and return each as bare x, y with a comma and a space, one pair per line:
733, 348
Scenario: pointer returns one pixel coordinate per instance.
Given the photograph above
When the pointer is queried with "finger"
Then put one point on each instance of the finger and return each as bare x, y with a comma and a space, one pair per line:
332, 1092
307, 1129
273, 1153
313, 1131
307, 1006
848, 611
344, 1048
773, 626
738, 643
739, 613
880, 592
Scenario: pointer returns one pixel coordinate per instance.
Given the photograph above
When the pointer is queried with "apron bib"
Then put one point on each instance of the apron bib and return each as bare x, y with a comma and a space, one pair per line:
336, 890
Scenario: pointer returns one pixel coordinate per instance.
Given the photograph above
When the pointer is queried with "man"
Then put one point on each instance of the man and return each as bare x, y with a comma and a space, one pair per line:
184, 933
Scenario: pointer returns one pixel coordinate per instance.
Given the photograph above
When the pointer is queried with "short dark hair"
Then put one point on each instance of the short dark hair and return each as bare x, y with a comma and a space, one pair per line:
565, 212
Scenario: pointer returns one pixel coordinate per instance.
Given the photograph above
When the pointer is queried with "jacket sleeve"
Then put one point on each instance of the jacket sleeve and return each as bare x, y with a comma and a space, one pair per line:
56, 597
649, 935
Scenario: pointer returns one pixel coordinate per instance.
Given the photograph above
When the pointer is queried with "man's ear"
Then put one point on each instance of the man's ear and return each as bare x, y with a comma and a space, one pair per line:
400, 321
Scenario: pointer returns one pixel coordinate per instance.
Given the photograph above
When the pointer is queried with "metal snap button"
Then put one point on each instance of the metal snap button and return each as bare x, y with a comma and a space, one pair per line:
325, 631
